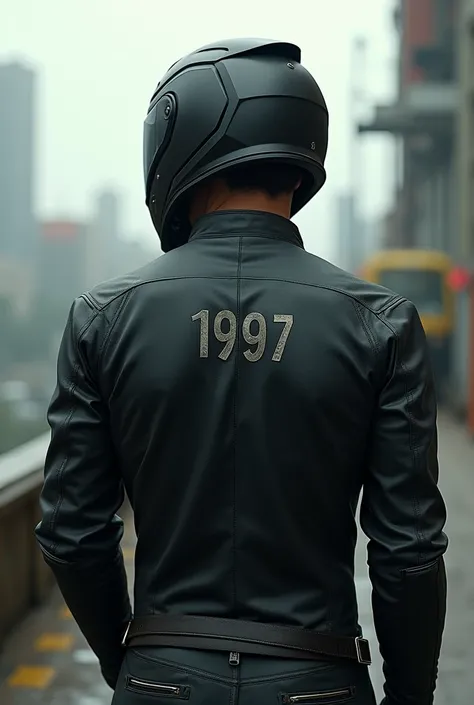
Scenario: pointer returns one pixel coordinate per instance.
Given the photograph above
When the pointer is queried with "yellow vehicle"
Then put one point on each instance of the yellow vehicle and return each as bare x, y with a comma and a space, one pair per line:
422, 276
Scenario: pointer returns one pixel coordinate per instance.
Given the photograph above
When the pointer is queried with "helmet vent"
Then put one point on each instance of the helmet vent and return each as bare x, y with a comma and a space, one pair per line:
283, 50
201, 51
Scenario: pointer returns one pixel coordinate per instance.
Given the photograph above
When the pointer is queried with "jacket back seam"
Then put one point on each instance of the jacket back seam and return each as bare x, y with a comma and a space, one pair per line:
235, 410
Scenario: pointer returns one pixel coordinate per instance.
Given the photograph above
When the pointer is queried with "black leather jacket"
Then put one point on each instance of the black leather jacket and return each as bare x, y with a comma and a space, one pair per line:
243, 392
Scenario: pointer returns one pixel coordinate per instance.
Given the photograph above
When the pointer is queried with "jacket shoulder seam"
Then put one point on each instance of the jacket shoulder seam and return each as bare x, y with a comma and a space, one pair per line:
390, 305
371, 338
105, 342
100, 307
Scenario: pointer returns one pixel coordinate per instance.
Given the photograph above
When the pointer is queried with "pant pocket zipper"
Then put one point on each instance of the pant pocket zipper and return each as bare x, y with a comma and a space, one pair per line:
415, 570
345, 693
157, 688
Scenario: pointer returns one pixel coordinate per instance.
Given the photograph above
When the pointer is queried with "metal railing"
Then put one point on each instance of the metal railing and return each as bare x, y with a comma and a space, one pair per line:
25, 580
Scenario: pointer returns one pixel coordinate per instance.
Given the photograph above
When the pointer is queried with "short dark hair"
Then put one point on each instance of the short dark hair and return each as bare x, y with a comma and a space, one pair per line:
273, 179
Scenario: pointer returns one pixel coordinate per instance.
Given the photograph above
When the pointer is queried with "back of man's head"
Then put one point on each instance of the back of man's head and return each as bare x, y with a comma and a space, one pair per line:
256, 185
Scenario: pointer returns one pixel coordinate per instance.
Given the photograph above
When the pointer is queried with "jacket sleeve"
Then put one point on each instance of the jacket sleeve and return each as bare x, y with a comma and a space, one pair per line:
403, 515
79, 532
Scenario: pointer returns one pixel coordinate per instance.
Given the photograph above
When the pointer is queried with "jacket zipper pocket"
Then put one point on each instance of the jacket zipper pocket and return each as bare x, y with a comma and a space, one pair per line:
328, 696
152, 688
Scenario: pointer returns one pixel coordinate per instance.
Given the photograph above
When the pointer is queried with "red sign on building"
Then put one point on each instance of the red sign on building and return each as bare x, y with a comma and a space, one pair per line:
60, 230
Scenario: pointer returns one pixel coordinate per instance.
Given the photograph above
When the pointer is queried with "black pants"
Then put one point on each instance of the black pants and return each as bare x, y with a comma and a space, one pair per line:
166, 675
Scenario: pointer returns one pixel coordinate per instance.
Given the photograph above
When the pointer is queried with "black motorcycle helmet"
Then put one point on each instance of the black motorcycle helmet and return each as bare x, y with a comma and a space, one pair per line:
227, 104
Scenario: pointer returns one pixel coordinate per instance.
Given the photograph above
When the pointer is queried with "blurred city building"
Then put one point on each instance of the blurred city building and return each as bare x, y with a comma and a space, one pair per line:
62, 261
423, 119
135, 252
432, 121
16, 284
465, 130
110, 251
18, 233
357, 237
344, 226
103, 258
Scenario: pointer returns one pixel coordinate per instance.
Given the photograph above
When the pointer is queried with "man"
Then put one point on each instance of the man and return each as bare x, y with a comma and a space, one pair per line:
243, 392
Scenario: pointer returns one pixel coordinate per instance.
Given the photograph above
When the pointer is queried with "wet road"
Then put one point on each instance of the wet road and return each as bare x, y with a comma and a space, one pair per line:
46, 662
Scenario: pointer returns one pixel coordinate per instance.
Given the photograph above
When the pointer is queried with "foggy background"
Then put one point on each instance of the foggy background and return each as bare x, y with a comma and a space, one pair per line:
97, 64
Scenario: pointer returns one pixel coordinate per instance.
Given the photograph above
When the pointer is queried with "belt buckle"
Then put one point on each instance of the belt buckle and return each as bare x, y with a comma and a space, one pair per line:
363, 651
124, 640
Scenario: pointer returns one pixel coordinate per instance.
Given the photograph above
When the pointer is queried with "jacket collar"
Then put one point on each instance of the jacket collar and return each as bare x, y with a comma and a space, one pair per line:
240, 223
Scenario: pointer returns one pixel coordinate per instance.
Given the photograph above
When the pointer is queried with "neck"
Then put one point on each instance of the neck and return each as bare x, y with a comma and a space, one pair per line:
217, 197
249, 201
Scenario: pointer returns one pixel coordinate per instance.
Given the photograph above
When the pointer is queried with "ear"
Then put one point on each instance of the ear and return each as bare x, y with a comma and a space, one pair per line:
298, 183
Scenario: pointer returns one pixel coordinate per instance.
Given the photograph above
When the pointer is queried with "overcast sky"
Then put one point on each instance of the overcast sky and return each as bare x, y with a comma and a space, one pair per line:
99, 61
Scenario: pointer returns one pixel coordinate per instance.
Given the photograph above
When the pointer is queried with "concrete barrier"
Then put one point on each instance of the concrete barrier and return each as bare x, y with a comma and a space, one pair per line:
24, 577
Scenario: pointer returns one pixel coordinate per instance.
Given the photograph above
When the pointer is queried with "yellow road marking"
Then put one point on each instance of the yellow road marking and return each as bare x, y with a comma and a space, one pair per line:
31, 677
54, 642
65, 613
128, 554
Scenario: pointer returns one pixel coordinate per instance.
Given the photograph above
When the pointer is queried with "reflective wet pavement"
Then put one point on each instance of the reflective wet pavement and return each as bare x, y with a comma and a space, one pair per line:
47, 662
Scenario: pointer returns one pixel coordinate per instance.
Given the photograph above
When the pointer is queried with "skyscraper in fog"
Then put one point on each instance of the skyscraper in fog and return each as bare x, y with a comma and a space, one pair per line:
345, 218
104, 239
62, 261
18, 236
107, 219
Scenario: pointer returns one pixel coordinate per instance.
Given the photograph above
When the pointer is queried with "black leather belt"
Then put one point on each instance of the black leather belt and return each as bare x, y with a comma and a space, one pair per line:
233, 635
